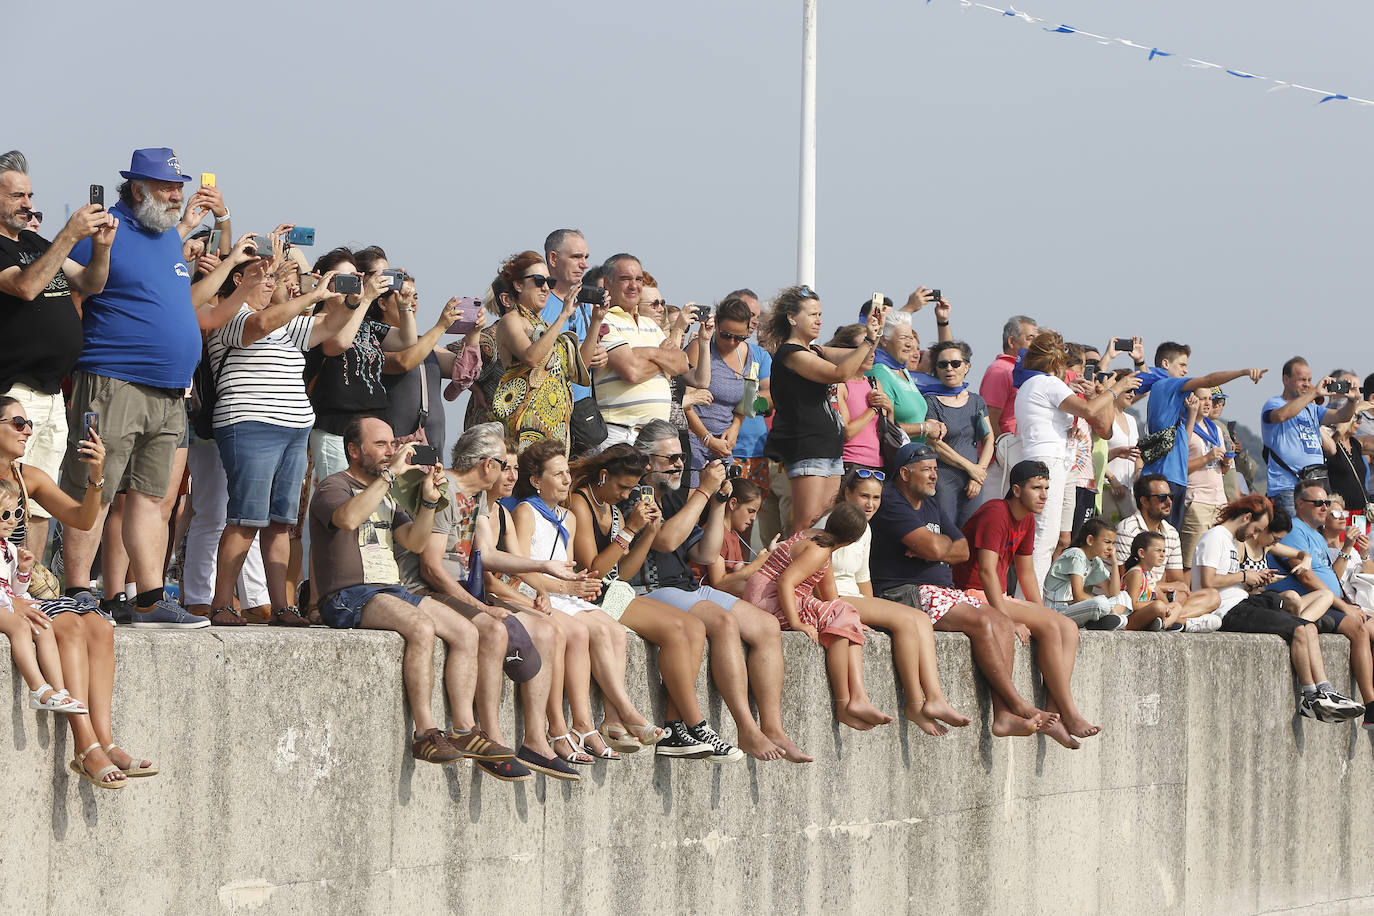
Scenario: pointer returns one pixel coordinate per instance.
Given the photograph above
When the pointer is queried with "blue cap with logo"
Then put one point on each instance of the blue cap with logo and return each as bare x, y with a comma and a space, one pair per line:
911, 453
156, 163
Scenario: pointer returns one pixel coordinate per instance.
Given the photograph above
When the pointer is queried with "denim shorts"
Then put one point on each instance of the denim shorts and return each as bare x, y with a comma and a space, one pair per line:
816, 467
264, 465
683, 599
343, 610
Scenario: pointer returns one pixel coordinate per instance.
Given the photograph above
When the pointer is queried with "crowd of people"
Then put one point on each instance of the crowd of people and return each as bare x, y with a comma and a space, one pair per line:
267, 433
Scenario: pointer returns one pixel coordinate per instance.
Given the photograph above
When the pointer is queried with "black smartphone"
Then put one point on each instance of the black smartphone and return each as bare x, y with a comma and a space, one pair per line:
426, 455
591, 295
1339, 387
935, 294
98, 195
1124, 344
90, 422
348, 284
1090, 368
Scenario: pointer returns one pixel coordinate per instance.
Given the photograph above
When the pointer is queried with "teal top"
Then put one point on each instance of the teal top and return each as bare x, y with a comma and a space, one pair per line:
908, 404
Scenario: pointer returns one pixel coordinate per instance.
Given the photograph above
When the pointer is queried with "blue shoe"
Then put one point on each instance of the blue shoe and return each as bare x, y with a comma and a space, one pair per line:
168, 615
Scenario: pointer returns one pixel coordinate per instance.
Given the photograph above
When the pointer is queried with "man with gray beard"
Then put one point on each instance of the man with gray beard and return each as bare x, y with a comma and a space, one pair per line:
141, 343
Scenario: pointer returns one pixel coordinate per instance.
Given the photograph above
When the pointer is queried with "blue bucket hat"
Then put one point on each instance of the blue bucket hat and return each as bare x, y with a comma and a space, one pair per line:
157, 163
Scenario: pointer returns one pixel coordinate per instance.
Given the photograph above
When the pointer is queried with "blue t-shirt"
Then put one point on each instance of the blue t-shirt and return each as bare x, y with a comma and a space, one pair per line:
577, 324
753, 431
1164, 409
142, 327
888, 563
1297, 440
1305, 537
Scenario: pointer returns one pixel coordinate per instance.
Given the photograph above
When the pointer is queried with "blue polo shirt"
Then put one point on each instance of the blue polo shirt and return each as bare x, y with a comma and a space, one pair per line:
753, 431
142, 327
1297, 440
1305, 537
1164, 409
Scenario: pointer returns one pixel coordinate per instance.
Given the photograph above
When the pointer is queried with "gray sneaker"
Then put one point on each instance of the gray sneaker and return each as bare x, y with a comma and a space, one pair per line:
168, 615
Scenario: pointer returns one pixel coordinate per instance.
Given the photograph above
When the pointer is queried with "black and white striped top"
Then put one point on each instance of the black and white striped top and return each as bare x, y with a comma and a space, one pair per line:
264, 382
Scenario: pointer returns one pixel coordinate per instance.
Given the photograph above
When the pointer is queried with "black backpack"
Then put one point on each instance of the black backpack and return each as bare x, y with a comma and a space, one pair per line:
205, 392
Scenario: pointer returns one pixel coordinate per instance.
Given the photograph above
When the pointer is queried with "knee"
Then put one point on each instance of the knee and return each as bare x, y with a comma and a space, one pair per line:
542, 634
577, 638
417, 628
689, 629
492, 632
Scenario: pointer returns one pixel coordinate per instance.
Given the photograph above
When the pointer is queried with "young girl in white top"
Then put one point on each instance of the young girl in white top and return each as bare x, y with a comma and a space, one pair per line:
1084, 583
32, 643
913, 635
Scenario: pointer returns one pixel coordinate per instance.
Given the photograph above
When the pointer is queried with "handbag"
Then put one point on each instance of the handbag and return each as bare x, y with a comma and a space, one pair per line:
891, 437
1157, 445
586, 425
1312, 473
43, 582
747, 407
205, 393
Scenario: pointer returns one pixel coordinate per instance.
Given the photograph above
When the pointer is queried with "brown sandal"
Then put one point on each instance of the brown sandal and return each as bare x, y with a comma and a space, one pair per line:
288, 617
227, 617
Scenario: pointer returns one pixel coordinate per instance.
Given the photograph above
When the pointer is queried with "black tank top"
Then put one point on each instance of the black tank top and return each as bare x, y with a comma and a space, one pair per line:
604, 538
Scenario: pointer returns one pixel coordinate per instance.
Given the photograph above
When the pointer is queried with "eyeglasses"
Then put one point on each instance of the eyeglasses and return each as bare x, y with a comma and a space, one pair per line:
1162, 497
865, 473
675, 458
949, 364
505, 465
16, 513
737, 338
656, 303
540, 280
1317, 502
19, 423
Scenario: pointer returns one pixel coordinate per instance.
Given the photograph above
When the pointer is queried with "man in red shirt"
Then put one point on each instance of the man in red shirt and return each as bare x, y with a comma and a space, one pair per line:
996, 388
1003, 531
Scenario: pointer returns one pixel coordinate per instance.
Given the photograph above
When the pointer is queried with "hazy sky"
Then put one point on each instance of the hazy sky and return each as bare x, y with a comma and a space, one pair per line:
1017, 170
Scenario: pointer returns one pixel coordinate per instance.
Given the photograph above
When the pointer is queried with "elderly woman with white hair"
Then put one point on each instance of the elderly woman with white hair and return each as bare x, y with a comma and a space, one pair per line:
896, 348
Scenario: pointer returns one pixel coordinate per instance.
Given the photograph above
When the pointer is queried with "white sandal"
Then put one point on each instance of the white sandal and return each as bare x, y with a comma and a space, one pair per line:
57, 701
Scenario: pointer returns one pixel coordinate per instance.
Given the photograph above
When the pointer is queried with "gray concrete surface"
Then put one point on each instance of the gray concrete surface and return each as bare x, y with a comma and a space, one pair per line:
288, 787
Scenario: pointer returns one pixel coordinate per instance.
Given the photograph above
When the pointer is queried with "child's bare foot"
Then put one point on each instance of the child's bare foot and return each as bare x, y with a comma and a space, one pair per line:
845, 717
1080, 727
944, 712
868, 712
790, 751
1058, 732
759, 746
923, 721
1006, 724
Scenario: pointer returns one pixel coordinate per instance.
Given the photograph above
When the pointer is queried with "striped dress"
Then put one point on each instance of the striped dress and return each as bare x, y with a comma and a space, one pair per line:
834, 620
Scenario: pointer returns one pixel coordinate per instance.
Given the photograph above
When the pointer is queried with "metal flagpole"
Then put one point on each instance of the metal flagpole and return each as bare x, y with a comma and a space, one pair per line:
806, 215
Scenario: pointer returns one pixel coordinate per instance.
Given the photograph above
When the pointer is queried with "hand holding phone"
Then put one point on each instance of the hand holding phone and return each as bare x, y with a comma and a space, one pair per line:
207, 179
425, 455
469, 314
98, 195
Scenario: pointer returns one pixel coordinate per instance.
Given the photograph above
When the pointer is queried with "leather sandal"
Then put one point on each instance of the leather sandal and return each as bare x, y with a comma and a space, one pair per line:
607, 753
227, 617
78, 766
617, 737
134, 769
288, 617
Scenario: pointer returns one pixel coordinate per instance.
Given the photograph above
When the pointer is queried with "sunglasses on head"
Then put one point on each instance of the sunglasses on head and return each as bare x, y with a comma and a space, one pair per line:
17, 513
20, 423
949, 364
807, 292
865, 473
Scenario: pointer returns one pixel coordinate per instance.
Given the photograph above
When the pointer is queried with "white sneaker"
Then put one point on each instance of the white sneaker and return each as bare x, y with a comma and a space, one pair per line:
1207, 623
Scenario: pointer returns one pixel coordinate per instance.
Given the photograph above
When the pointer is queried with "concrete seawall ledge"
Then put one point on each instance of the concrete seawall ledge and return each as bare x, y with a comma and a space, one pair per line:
288, 787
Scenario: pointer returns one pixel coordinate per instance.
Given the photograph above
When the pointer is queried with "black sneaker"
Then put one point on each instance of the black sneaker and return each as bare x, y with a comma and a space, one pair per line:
1368, 717
681, 743
720, 751
1106, 622
1338, 706
119, 607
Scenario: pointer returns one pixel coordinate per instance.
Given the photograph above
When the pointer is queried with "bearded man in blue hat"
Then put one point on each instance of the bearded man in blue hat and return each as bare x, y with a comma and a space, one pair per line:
141, 343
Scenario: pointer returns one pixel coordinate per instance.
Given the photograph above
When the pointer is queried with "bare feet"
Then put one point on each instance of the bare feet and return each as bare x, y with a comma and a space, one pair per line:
1080, 727
759, 747
790, 751
868, 712
845, 717
1058, 732
944, 712
923, 721
1006, 724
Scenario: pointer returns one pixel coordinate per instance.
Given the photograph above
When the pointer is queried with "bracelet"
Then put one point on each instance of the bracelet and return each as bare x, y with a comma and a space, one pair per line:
22, 576
623, 544
632, 534
95, 485
1139, 365
388, 475
426, 504
941, 324
701, 491
224, 218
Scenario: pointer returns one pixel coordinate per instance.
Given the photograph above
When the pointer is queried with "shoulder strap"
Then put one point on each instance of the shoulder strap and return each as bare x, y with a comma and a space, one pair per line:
424, 395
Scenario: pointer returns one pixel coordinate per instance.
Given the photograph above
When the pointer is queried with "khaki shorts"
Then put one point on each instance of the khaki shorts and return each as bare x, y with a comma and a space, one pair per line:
49, 441
142, 428
1198, 519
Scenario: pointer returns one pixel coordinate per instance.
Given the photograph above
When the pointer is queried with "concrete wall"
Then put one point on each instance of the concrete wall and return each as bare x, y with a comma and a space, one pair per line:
288, 787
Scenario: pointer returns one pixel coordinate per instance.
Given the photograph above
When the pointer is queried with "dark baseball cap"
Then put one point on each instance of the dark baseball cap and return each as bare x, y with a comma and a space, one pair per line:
1026, 470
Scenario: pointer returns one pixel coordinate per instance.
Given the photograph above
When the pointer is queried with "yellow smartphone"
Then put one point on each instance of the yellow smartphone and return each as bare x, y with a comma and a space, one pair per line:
207, 179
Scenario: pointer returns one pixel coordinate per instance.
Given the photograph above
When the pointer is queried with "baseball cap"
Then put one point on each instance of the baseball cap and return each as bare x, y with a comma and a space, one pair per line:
1218, 394
1026, 470
522, 658
911, 453
159, 163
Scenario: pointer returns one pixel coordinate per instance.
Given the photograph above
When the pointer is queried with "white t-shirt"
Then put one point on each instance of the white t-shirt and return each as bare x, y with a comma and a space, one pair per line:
263, 382
1042, 426
1217, 549
849, 564
1123, 469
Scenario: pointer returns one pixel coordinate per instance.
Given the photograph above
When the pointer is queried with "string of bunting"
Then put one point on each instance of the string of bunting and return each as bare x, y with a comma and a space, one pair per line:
1154, 52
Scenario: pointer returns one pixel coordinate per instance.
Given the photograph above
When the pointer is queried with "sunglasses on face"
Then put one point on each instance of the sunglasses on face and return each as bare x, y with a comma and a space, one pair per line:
1317, 502
36, 216
505, 465
540, 280
1339, 514
656, 303
20, 423
1161, 497
865, 473
16, 513
949, 364
735, 338
675, 458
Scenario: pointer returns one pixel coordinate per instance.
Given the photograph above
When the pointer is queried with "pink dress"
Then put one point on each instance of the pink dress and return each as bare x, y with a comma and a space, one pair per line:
832, 619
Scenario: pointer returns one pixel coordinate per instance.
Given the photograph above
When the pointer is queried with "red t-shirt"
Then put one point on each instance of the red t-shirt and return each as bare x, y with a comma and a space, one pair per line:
993, 528
997, 391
